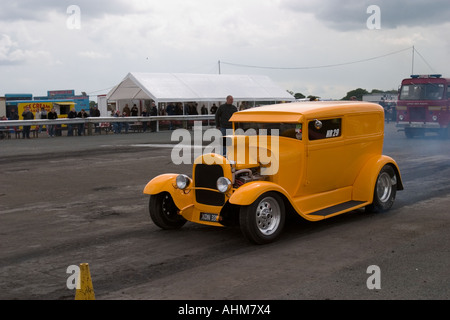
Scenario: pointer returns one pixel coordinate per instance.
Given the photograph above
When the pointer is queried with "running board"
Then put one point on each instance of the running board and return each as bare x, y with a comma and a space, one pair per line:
345, 206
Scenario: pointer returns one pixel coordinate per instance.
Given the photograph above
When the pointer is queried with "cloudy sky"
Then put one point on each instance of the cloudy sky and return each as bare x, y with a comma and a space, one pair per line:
316, 47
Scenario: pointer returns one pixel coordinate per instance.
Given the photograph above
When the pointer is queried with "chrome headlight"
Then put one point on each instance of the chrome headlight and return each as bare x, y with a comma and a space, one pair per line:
183, 181
223, 185
401, 117
434, 118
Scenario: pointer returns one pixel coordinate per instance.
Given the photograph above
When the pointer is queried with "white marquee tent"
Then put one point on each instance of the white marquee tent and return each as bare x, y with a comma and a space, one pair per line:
171, 87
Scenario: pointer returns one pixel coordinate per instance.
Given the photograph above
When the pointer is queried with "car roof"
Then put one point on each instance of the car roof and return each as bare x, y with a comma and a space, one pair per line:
296, 111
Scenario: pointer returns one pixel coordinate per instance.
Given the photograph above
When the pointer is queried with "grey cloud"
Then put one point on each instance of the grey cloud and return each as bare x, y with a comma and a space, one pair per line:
352, 14
12, 10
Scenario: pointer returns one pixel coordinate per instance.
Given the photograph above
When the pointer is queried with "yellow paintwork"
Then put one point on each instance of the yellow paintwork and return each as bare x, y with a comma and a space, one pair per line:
166, 182
311, 175
364, 185
85, 289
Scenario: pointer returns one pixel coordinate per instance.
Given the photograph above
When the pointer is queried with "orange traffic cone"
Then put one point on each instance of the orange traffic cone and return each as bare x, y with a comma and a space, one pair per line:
85, 290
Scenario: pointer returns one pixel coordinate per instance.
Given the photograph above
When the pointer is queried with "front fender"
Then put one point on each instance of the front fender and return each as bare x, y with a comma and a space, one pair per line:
163, 182
249, 192
364, 185
167, 183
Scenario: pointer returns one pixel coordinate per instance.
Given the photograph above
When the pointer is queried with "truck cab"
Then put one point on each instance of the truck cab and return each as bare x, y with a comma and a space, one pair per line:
423, 105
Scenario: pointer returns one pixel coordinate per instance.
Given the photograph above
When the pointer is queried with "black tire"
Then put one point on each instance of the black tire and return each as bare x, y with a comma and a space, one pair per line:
164, 212
263, 220
414, 132
444, 133
385, 190
409, 133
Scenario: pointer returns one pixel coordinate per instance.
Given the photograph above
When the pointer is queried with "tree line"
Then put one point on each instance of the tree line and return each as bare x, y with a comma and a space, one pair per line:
358, 93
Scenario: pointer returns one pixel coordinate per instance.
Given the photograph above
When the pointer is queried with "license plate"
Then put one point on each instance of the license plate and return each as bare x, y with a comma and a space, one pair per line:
211, 217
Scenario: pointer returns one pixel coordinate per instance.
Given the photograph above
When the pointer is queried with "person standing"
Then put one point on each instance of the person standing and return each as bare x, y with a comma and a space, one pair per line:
213, 109
52, 115
38, 116
43, 116
27, 115
170, 110
83, 115
95, 113
13, 115
144, 123
125, 124
153, 113
117, 126
126, 110
222, 117
71, 115
134, 111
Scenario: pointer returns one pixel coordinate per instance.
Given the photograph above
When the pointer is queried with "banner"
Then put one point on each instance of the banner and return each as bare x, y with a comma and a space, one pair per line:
34, 107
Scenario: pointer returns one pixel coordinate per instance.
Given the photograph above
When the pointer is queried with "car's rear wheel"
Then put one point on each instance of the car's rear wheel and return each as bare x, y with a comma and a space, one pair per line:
263, 220
385, 190
164, 212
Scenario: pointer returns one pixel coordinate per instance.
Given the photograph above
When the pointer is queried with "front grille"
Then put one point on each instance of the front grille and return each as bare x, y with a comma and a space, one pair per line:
417, 114
206, 177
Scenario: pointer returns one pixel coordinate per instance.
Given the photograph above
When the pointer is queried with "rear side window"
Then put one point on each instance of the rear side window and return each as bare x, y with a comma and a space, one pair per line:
324, 129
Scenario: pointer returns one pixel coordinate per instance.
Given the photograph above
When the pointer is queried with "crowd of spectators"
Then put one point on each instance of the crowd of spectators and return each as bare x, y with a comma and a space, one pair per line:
117, 127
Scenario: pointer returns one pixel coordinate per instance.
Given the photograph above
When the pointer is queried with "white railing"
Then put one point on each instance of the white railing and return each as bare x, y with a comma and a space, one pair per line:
66, 121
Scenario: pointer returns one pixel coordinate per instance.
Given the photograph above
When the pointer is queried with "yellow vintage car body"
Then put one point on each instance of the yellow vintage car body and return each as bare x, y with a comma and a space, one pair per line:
316, 178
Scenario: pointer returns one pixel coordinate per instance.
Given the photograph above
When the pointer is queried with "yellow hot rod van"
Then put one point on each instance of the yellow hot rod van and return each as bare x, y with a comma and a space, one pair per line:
316, 159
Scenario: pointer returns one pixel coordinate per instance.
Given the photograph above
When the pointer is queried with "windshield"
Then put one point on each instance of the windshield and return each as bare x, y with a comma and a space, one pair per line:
289, 130
422, 91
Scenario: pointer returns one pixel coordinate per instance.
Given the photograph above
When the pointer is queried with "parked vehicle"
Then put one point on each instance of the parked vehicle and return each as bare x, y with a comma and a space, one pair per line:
424, 105
314, 159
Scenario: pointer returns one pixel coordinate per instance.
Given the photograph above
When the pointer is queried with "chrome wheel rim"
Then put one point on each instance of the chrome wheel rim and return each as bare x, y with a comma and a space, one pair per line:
384, 186
268, 216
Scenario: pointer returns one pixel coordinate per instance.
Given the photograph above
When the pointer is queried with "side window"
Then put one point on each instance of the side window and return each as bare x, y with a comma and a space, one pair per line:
324, 129
448, 91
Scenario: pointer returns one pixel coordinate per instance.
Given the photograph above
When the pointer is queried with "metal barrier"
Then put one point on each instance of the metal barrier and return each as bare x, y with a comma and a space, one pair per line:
93, 120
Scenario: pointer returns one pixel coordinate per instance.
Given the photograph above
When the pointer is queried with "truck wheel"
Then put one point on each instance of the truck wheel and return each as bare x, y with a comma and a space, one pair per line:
385, 190
445, 133
164, 212
409, 133
414, 132
263, 220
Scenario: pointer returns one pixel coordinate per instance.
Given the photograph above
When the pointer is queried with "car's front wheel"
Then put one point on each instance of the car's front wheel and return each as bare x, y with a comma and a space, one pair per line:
263, 220
385, 190
164, 212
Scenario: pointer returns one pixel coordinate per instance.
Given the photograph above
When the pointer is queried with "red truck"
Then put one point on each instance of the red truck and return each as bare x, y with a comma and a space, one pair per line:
424, 105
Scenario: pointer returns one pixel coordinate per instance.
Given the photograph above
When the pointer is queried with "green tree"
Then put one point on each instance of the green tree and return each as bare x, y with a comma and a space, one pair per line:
298, 95
358, 93
392, 91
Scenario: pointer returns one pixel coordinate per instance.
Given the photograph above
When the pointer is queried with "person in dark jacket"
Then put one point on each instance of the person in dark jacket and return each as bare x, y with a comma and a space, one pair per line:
27, 115
95, 113
52, 115
82, 114
13, 115
223, 115
71, 115
153, 113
